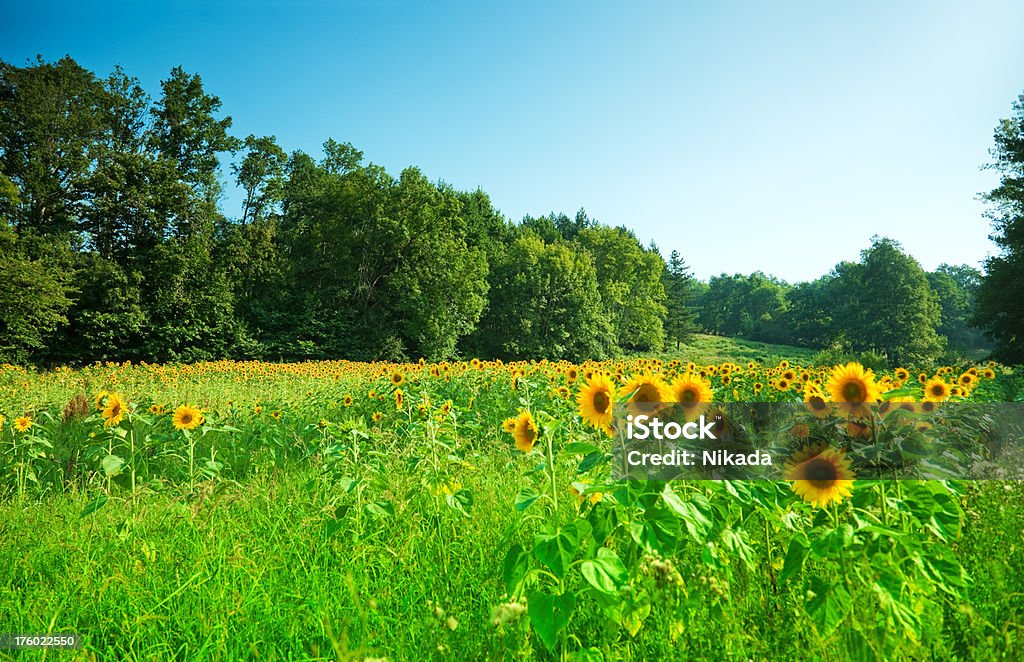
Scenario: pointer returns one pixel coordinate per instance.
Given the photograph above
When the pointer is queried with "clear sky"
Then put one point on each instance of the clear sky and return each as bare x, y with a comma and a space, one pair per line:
749, 136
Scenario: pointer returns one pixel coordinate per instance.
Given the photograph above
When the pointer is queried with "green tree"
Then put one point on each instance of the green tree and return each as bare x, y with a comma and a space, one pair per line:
261, 176
186, 131
956, 288
999, 308
680, 316
33, 300
544, 303
886, 305
629, 278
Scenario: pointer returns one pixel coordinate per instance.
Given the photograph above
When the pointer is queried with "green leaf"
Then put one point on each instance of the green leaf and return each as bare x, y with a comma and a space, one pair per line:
795, 557
112, 465
659, 530
514, 569
828, 607
556, 550
606, 573
95, 505
549, 614
580, 448
697, 523
526, 497
591, 460
636, 608
380, 509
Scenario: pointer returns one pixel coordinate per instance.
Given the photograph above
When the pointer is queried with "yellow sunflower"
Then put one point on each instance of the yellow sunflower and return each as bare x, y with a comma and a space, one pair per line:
693, 394
596, 400
509, 424
114, 410
397, 378
967, 380
22, 423
815, 403
853, 387
649, 391
820, 475
187, 417
525, 432
377, 415
936, 390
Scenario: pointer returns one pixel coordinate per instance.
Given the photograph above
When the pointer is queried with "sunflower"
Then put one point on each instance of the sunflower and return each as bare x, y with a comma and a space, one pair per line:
525, 432
187, 417
820, 475
815, 403
571, 375
156, 410
936, 390
2, 419
596, 400
901, 374
648, 392
399, 398
113, 410
397, 378
967, 380
22, 423
348, 401
693, 394
988, 373
377, 415
853, 387
509, 424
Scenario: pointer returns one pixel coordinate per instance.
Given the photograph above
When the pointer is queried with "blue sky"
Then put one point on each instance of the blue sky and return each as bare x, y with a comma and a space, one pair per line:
749, 136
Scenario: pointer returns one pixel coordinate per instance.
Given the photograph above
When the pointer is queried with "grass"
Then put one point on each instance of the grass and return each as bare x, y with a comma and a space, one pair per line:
703, 348
248, 570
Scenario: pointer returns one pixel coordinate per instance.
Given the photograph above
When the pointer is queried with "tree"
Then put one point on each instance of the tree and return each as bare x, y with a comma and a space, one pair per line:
261, 175
956, 289
544, 303
49, 124
33, 300
186, 131
999, 308
629, 278
886, 305
680, 317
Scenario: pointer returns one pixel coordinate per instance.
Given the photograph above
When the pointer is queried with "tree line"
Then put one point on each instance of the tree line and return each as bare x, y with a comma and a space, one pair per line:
114, 245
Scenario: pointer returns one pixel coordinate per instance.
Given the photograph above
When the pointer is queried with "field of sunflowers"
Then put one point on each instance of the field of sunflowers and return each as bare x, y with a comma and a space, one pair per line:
466, 510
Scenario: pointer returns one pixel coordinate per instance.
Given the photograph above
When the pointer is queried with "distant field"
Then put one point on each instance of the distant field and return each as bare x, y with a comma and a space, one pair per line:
704, 348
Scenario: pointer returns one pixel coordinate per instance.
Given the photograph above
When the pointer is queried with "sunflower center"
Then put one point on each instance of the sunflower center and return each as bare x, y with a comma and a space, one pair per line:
820, 473
938, 389
186, 419
601, 402
687, 395
647, 393
854, 392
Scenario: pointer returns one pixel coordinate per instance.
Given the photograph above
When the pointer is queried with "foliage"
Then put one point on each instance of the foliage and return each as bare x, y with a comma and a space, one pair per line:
999, 310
